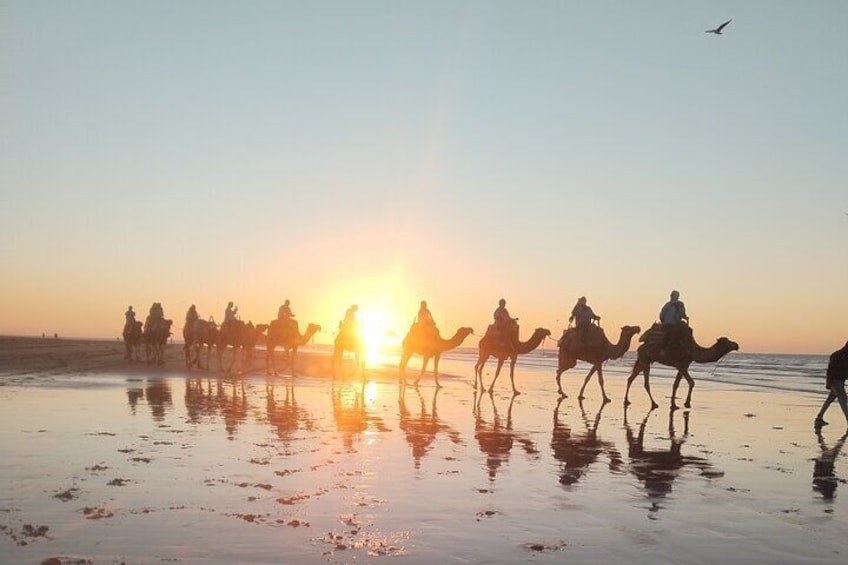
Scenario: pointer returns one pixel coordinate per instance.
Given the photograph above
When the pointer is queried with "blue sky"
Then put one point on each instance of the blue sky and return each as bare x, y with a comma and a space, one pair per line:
456, 151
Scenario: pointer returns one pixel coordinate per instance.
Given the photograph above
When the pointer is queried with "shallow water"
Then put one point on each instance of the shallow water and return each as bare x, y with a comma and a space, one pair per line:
166, 468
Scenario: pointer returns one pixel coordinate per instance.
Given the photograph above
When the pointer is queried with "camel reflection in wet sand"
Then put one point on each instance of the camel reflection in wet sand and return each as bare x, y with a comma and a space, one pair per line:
157, 392
658, 468
496, 438
284, 414
226, 398
351, 413
421, 430
825, 480
578, 451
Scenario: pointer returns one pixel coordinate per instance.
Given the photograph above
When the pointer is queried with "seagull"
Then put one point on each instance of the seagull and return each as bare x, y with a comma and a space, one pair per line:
717, 30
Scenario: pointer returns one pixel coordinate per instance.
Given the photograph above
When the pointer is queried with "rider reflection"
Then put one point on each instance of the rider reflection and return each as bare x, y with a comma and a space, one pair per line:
421, 430
496, 438
578, 451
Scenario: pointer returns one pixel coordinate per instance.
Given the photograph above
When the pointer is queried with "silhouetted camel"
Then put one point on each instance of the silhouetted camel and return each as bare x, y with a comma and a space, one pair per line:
348, 340
494, 346
240, 336
155, 336
204, 333
596, 350
428, 345
679, 356
286, 334
132, 341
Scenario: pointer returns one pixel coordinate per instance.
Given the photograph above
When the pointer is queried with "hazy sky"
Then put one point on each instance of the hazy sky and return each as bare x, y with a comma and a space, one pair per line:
460, 152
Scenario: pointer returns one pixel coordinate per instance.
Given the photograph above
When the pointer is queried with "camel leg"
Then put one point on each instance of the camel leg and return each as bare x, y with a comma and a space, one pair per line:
648, 387
269, 360
601, 382
559, 384
691, 381
633, 374
497, 372
425, 360
677, 379
478, 371
436, 374
515, 391
586, 381
404, 359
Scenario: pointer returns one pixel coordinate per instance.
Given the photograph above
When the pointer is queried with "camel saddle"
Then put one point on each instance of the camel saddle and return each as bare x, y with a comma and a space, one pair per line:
594, 337
656, 335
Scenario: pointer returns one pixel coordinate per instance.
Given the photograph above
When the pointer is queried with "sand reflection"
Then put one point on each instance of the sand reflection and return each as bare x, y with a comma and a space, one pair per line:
657, 469
825, 480
496, 437
422, 428
577, 451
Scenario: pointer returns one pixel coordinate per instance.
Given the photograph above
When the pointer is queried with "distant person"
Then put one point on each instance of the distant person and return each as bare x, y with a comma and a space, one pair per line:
582, 316
837, 372
672, 315
284, 312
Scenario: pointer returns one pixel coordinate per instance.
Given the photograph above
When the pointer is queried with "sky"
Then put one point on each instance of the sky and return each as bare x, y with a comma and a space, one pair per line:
382, 152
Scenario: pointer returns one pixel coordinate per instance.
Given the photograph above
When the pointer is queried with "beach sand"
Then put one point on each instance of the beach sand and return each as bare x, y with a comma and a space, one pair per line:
106, 461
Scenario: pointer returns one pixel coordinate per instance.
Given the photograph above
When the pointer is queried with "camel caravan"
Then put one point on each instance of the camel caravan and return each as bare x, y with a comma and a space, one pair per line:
669, 342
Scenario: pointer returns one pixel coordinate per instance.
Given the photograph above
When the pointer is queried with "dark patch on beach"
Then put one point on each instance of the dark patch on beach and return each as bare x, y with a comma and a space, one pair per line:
163, 443
67, 561
141, 459
257, 461
750, 415
97, 467
485, 491
96, 513
487, 514
67, 495
110, 434
288, 500
538, 547
294, 523
126, 450
118, 482
27, 532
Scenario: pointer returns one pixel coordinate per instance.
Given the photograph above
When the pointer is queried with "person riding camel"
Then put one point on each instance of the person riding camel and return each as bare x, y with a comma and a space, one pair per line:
349, 324
503, 322
672, 315
229, 316
285, 312
156, 315
191, 315
582, 316
129, 316
424, 322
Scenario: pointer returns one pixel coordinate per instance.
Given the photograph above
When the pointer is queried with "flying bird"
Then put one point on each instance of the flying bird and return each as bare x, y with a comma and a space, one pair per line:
717, 30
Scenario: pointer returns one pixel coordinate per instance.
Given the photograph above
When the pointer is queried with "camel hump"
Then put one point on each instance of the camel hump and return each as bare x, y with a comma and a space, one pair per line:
655, 332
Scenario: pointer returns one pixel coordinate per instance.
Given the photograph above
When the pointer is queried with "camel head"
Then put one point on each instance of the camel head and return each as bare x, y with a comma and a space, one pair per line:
542, 332
463, 333
725, 344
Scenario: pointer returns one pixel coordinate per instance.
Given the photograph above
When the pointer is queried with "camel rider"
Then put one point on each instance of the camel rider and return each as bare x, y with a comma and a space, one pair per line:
424, 321
349, 323
284, 312
129, 315
502, 320
156, 315
229, 315
582, 316
191, 315
672, 315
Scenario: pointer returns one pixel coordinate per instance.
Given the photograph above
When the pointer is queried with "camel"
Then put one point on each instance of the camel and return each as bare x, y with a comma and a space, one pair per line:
285, 333
239, 335
155, 336
132, 341
492, 346
596, 351
427, 345
348, 340
679, 356
198, 334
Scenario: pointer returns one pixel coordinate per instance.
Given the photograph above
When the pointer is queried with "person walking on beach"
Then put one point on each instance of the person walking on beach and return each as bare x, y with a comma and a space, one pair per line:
837, 372
582, 315
672, 315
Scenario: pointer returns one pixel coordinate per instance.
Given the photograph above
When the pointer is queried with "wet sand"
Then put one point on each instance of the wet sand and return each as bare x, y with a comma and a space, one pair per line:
109, 462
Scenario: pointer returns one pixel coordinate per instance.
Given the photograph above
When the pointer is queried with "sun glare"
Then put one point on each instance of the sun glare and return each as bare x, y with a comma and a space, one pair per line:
378, 334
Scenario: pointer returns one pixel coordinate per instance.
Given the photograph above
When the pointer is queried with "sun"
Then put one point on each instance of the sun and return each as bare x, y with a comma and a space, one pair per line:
378, 327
